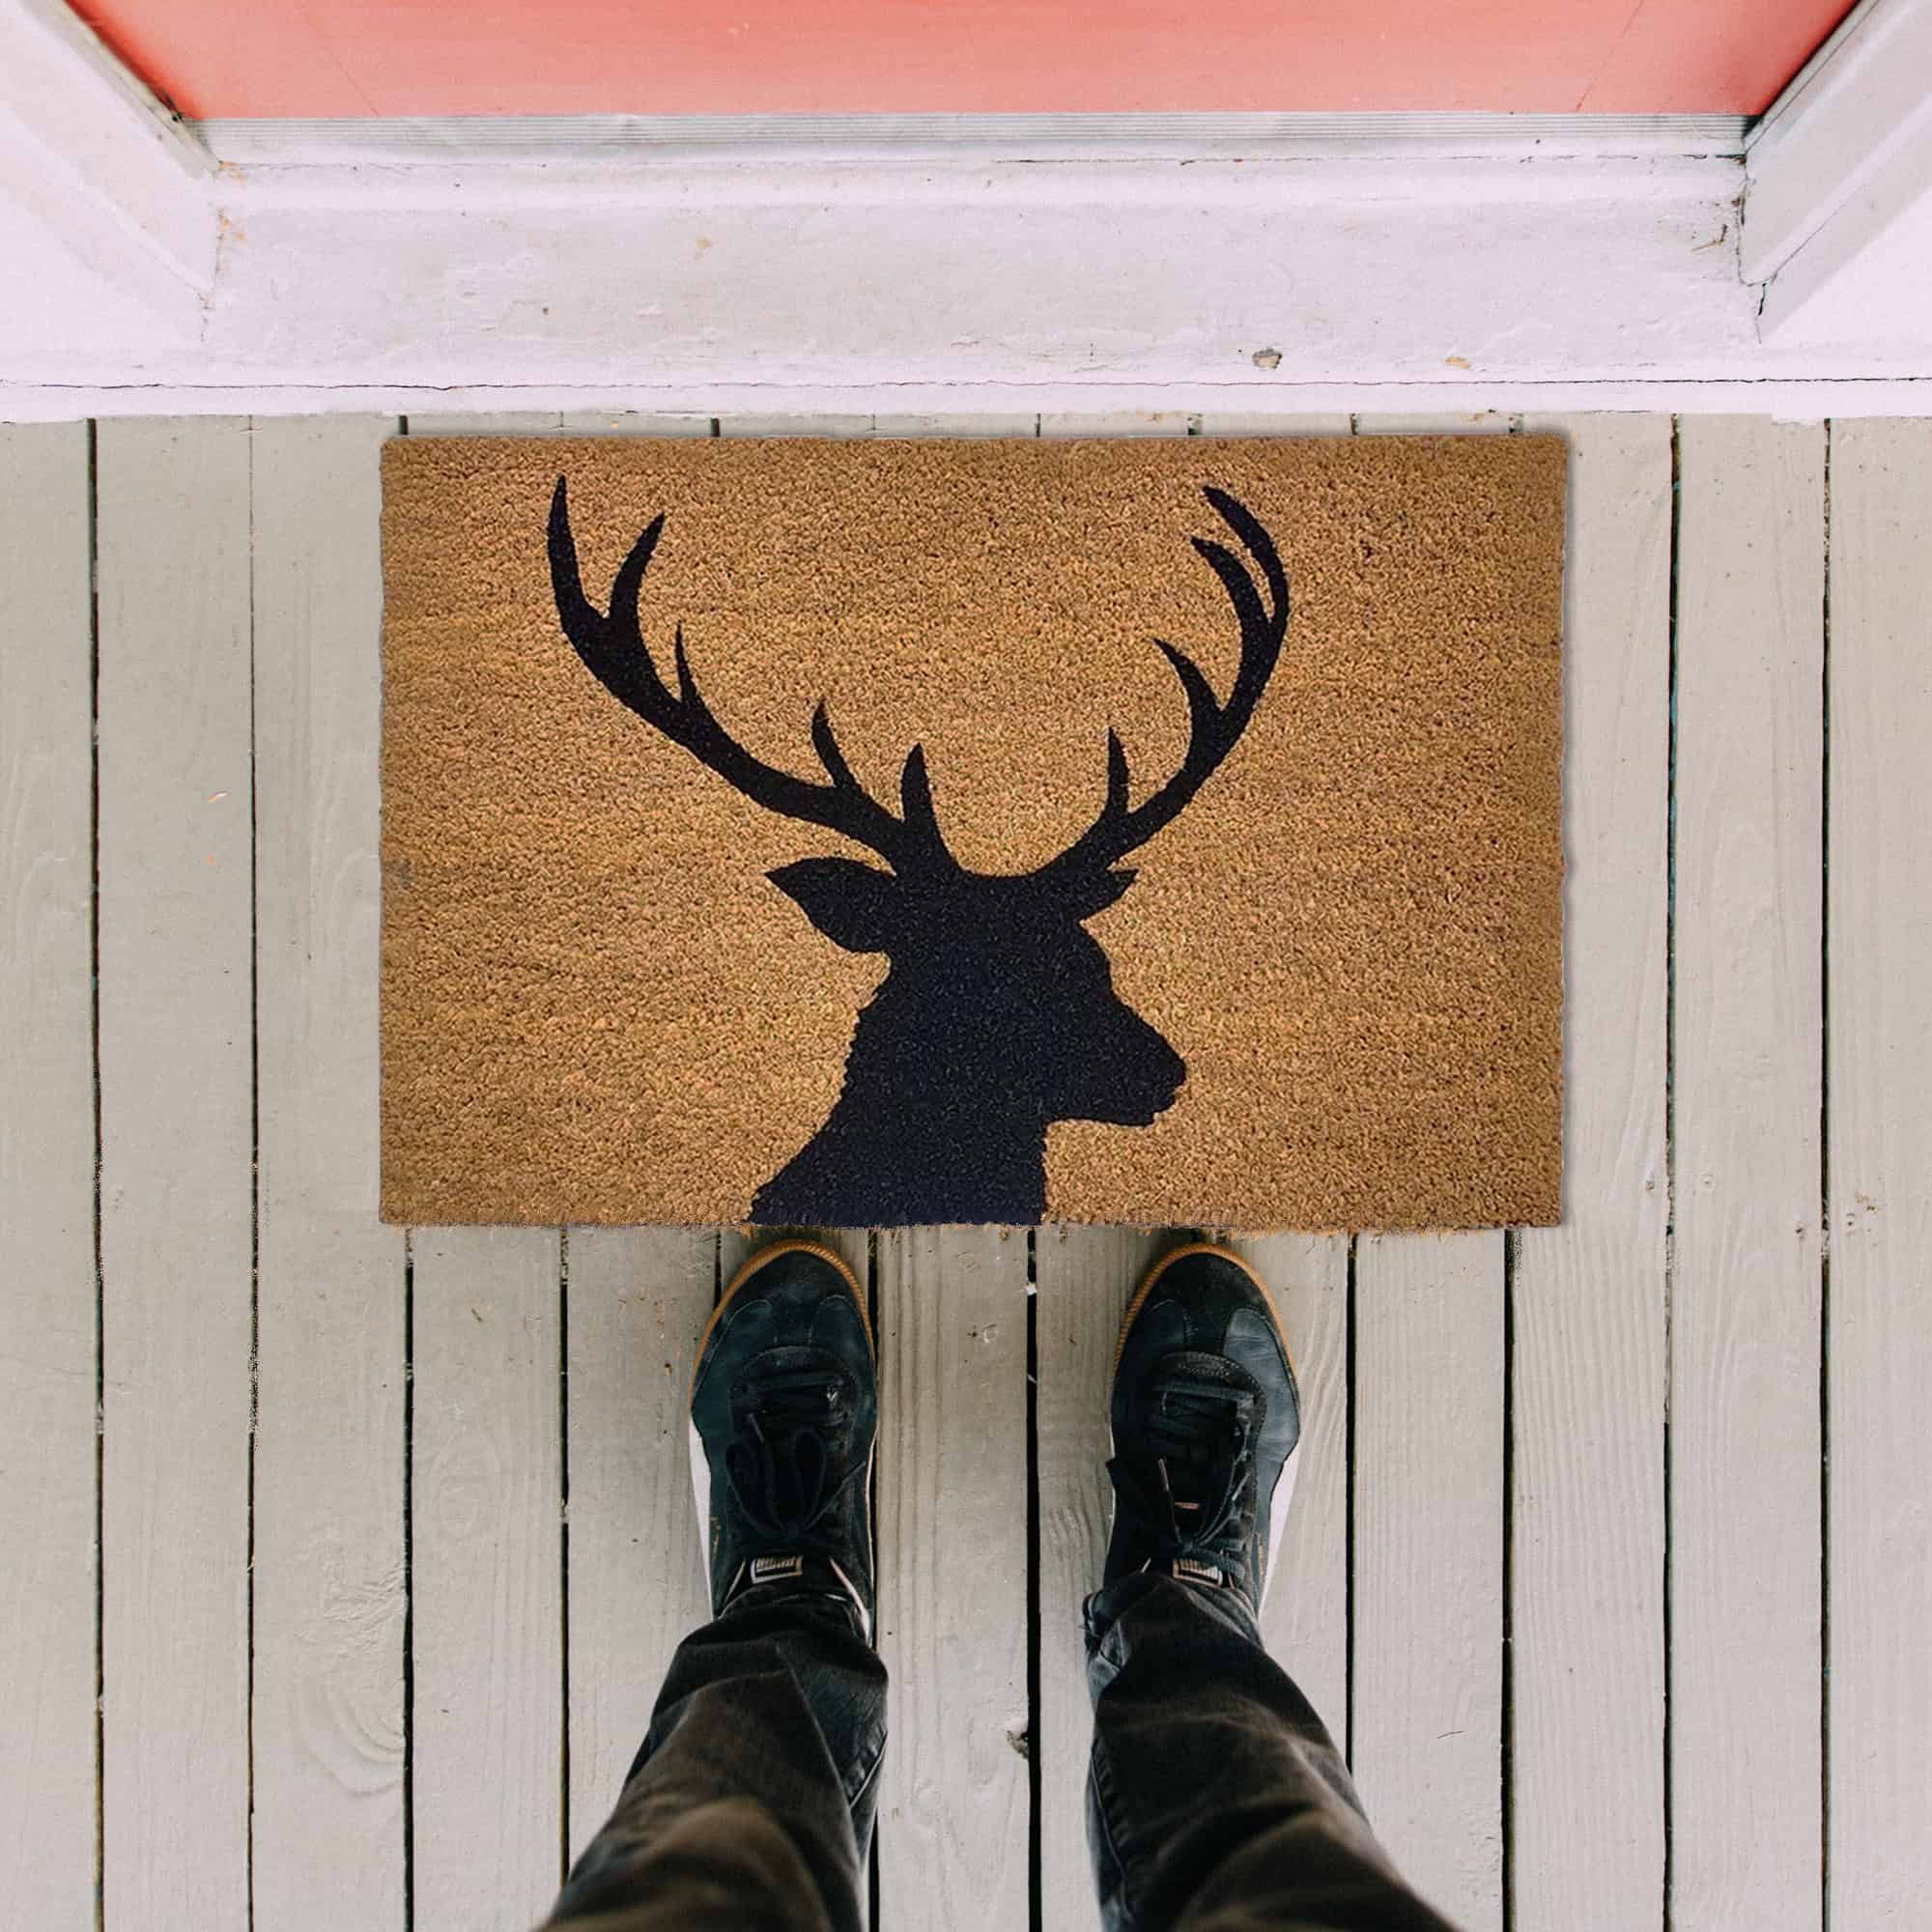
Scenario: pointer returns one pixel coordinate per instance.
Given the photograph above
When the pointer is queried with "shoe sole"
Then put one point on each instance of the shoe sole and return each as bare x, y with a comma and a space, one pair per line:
1284, 1487
701, 1463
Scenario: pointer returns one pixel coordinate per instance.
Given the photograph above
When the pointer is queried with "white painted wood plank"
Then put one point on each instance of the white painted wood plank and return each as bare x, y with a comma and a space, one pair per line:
1427, 1743
330, 1593
488, 1739
1587, 1543
555, 423
1084, 1277
485, 422
1880, 1130
955, 1798
176, 1193
47, 1178
639, 1299
96, 166
791, 423
1747, 1826
1113, 423
1469, 423
1003, 422
1427, 1642
1816, 157
1138, 275
486, 1578
1305, 1620
1248, 422
631, 422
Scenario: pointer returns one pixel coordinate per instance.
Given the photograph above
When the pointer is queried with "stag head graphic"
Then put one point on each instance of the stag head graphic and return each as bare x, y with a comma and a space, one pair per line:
998, 1014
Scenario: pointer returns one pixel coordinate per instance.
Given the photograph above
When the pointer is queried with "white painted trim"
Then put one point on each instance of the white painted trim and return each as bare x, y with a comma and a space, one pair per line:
1846, 149
482, 139
802, 408
783, 275
104, 170
703, 266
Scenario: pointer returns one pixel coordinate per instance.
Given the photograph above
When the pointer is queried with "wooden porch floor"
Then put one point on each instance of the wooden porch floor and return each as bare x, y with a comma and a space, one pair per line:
341, 1564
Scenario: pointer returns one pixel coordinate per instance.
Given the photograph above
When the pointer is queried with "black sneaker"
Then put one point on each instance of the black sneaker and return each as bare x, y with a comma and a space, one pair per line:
783, 1412
1207, 1422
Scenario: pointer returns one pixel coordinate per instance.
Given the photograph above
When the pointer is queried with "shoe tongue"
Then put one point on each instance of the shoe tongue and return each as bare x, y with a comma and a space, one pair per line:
793, 1400
787, 1388
1196, 1403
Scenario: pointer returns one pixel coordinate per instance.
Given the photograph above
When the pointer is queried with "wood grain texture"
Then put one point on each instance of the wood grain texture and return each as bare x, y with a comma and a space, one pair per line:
638, 1300
1427, 1641
1879, 1133
1244, 422
752, 422
1011, 422
630, 422
1305, 1620
954, 1795
177, 1141
46, 1177
487, 1578
1587, 1541
1112, 424
331, 1594
1476, 422
1745, 1594
486, 422
1085, 1276
1427, 1743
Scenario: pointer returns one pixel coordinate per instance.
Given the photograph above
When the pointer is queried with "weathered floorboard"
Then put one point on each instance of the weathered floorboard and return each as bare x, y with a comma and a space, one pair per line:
1425, 1744
177, 1143
955, 1793
1427, 1639
1086, 1277
1587, 1373
486, 1578
639, 1299
1747, 1822
487, 1743
1879, 1135
47, 1178
1305, 1619
330, 1578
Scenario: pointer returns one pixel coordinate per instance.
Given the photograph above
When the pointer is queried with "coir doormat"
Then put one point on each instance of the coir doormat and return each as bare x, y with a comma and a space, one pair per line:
890, 832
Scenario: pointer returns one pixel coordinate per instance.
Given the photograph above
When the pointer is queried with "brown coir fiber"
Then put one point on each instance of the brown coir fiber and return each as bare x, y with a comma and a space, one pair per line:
597, 1006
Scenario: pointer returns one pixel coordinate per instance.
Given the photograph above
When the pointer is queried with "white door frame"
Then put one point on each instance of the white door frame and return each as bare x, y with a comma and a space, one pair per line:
1269, 265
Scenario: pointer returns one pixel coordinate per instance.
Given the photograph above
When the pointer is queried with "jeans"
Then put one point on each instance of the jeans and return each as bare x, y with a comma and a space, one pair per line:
1217, 1801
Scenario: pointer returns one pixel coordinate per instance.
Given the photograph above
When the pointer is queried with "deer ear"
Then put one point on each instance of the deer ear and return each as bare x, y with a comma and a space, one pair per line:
855, 906
1098, 891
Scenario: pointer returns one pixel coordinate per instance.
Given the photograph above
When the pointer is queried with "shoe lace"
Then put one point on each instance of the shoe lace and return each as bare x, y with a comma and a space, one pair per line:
1193, 1494
783, 1470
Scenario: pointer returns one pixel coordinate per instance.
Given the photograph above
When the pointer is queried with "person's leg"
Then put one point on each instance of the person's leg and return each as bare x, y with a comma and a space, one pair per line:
1217, 1801
750, 1802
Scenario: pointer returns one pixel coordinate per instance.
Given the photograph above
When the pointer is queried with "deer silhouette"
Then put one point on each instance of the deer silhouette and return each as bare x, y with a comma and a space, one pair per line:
998, 1013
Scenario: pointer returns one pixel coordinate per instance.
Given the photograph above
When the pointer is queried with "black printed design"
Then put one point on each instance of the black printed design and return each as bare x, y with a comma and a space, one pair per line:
998, 1014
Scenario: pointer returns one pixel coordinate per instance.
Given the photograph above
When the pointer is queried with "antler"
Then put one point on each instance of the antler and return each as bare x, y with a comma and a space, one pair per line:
614, 652
1213, 728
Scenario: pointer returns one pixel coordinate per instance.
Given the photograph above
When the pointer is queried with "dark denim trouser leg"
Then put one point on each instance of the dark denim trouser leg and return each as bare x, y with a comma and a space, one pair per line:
751, 1804
1216, 1801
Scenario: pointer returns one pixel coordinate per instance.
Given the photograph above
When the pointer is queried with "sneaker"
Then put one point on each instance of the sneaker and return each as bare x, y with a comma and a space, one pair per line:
783, 1412
1207, 1421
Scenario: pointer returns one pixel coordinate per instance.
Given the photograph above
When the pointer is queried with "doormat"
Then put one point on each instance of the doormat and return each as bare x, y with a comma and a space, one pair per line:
874, 833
